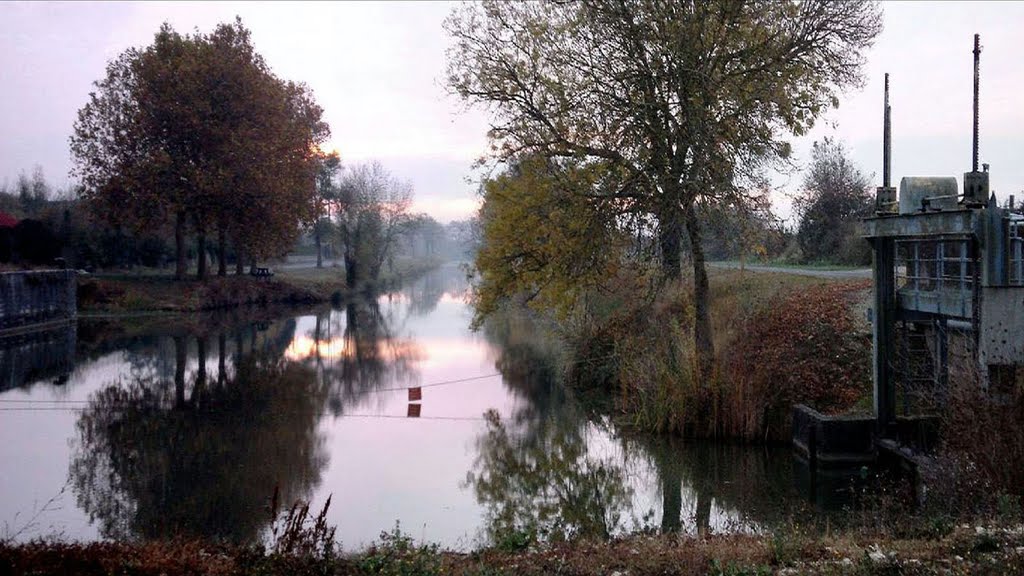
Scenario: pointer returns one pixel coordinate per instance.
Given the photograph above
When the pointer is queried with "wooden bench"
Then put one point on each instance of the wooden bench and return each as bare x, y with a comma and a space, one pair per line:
261, 272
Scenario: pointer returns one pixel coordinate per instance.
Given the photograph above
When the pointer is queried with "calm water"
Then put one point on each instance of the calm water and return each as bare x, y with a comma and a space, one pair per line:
187, 425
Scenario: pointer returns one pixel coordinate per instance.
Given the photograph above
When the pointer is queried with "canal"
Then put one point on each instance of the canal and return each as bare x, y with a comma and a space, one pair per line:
159, 426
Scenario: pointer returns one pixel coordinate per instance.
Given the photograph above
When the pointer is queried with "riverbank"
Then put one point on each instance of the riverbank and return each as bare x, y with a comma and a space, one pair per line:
132, 293
964, 550
780, 339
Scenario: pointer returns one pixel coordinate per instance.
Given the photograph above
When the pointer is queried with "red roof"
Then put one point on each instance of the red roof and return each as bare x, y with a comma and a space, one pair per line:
7, 221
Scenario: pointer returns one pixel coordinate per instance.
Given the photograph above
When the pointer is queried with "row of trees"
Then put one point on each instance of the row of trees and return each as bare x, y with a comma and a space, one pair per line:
644, 115
196, 130
29, 194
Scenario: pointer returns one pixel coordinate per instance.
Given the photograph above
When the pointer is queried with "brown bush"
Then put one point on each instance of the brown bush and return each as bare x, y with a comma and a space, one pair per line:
803, 347
981, 452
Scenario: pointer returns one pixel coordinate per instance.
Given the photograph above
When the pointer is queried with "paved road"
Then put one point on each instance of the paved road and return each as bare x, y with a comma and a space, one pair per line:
855, 273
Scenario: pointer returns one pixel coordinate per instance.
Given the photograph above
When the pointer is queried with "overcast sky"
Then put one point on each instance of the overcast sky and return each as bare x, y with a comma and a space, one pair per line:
378, 71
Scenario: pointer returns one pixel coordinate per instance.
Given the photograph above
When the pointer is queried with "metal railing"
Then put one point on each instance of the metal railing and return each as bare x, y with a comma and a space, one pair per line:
1014, 249
936, 275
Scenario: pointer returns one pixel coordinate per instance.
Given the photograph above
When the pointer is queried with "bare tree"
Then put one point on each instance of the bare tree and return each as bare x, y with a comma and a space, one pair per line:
372, 205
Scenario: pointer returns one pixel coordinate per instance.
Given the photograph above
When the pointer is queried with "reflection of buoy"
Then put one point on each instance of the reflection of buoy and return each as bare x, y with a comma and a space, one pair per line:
415, 395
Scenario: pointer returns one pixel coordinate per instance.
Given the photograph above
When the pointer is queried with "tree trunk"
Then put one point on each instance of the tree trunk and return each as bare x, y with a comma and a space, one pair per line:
319, 249
222, 369
702, 333
181, 260
670, 232
200, 387
239, 261
671, 475
351, 272
180, 361
222, 252
201, 254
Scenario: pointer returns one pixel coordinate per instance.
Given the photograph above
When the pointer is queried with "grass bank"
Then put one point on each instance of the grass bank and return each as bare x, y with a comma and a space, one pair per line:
780, 339
158, 291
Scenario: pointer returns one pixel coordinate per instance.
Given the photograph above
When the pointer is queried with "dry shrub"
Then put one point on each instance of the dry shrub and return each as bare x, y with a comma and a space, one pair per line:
980, 465
634, 339
802, 348
780, 340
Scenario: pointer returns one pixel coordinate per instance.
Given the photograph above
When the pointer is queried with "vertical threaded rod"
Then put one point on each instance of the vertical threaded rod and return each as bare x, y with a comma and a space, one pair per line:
977, 59
886, 138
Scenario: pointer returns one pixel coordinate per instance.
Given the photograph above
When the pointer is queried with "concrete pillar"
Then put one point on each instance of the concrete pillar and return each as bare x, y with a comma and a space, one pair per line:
884, 275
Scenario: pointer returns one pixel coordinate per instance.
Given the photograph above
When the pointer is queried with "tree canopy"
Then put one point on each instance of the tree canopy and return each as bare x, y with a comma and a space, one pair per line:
196, 128
836, 195
685, 100
372, 207
542, 237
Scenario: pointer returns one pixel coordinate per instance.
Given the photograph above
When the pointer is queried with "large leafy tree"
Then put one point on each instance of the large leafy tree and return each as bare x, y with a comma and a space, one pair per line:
836, 196
686, 100
197, 129
542, 236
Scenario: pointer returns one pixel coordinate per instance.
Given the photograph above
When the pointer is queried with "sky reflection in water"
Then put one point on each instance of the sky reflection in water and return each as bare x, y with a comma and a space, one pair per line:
146, 440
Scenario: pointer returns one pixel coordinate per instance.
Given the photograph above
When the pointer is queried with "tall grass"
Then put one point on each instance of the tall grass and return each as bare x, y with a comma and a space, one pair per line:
779, 339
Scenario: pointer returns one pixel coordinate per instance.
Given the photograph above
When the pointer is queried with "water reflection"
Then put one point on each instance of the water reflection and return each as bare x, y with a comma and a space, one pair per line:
197, 453
47, 355
541, 472
185, 425
356, 351
549, 484
559, 467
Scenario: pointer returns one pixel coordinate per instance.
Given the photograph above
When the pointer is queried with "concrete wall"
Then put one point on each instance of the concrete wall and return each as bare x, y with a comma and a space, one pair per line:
833, 440
1002, 326
34, 297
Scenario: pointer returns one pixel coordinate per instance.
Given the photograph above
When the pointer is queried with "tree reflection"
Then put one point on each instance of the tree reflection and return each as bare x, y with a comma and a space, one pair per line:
550, 485
535, 470
537, 473
198, 455
355, 351
426, 292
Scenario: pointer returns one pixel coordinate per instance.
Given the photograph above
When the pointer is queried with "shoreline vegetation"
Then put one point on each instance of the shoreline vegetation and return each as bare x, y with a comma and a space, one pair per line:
132, 293
780, 339
960, 550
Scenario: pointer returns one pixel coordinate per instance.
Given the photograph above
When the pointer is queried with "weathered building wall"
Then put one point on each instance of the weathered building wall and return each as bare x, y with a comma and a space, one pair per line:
33, 297
1002, 326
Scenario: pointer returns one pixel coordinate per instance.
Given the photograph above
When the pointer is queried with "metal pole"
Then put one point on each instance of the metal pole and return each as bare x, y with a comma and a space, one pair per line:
886, 138
977, 59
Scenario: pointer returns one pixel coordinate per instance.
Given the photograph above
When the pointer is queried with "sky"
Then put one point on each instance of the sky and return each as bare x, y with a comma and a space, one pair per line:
377, 68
